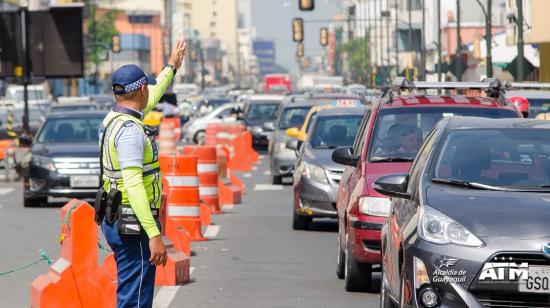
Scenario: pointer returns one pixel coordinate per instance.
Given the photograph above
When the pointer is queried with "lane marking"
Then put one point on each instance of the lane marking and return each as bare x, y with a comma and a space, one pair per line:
224, 207
267, 172
165, 296
247, 175
5, 191
267, 187
211, 231
191, 270
254, 168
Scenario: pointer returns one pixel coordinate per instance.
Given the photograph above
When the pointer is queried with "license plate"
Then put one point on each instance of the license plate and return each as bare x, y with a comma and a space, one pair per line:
84, 181
538, 280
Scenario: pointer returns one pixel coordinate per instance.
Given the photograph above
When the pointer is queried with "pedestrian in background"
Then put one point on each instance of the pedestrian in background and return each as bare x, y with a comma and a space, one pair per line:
132, 181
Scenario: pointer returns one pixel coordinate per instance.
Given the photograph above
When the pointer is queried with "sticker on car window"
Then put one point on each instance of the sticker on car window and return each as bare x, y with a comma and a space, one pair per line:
350, 103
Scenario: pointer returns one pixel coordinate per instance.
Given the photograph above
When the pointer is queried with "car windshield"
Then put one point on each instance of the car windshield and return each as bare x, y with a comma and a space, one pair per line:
293, 117
538, 106
18, 95
511, 158
215, 102
399, 132
70, 130
335, 131
265, 111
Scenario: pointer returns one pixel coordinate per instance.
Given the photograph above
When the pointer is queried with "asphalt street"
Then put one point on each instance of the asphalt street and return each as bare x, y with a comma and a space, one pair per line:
254, 258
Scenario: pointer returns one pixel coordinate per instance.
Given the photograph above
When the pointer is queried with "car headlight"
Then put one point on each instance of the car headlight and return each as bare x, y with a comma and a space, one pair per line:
255, 130
374, 206
43, 162
437, 228
314, 173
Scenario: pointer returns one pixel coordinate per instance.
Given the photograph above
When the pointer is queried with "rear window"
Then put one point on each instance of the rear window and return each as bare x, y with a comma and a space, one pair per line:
399, 132
262, 111
293, 117
335, 131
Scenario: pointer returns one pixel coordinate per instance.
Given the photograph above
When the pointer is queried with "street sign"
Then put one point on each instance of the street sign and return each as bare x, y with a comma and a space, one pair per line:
11, 57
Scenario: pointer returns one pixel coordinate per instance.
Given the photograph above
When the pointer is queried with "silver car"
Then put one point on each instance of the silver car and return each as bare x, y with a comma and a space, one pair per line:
317, 177
291, 114
195, 130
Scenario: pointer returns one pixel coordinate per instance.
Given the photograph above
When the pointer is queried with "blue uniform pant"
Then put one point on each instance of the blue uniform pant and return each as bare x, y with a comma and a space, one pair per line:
136, 275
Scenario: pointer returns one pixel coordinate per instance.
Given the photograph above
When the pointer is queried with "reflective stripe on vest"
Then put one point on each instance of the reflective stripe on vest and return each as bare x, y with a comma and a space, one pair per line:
184, 210
117, 175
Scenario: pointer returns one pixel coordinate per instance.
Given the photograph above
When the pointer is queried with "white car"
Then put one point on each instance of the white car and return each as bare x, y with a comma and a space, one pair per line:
195, 129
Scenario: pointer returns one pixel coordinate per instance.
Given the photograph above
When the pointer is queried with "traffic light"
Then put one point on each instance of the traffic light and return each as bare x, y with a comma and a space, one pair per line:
298, 30
324, 37
193, 55
307, 5
299, 50
116, 43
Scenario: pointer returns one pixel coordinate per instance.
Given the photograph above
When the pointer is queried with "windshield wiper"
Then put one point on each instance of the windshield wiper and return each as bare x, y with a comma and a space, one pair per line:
472, 185
390, 159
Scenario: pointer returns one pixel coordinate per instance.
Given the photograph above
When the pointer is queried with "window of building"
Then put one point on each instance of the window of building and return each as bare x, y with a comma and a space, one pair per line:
140, 19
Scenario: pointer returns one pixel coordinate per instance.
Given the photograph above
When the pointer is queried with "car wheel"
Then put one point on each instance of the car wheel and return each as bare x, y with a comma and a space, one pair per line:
277, 179
35, 202
385, 301
200, 137
357, 276
300, 222
340, 263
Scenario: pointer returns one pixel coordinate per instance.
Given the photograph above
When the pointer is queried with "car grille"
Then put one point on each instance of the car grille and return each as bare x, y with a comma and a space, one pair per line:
513, 300
499, 300
76, 165
334, 175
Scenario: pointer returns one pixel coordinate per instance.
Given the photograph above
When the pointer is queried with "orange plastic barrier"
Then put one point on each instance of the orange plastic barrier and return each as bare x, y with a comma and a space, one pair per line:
4, 145
167, 138
183, 203
211, 133
207, 167
176, 124
75, 279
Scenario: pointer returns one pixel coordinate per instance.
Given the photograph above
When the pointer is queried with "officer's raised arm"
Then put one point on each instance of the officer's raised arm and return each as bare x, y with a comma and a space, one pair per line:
165, 77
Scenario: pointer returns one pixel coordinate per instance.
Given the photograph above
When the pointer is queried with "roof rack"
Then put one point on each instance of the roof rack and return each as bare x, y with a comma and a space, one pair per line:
492, 87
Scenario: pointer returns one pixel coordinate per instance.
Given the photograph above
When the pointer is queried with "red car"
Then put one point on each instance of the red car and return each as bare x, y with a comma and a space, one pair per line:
387, 141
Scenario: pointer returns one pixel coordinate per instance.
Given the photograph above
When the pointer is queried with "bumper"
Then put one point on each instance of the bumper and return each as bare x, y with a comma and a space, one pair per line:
52, 184
282, 164
316, 199
459, 284
364, 235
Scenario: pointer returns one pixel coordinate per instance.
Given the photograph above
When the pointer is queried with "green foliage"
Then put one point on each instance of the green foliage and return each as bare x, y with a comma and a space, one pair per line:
358, 58
100, 31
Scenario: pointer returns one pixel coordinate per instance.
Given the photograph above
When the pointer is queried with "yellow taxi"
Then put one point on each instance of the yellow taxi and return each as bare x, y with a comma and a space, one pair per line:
300, 133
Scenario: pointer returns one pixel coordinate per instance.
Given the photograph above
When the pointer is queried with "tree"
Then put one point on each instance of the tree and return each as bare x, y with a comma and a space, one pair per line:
101, 30
358, 57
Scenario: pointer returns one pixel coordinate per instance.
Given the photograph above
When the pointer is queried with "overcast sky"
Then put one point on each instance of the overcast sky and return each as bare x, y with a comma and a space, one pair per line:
272, 19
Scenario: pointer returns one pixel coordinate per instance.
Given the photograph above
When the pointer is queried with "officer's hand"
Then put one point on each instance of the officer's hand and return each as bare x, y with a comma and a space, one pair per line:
178, 53
158, 251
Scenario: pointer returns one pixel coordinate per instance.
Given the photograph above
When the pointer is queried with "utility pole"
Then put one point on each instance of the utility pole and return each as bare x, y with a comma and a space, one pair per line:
423, 43
520, 40
397, 37
26, 70
439, 62
458, 43
388, 20
409, 3
375, 33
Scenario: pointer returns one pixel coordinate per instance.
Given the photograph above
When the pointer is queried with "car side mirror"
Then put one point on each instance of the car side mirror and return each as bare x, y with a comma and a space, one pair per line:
393, 185
268, 126
294, 144
344, 156
25, 140
293, 132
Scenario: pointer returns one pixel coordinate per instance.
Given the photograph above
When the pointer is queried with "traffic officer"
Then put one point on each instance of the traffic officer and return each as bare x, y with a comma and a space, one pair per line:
132, 179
